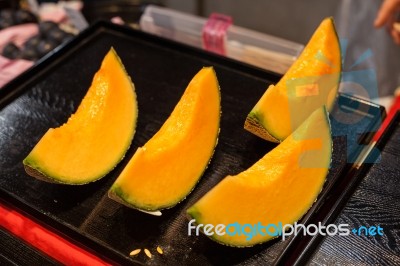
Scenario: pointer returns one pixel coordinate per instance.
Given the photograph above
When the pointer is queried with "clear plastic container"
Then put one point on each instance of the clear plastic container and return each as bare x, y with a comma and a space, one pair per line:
262, 50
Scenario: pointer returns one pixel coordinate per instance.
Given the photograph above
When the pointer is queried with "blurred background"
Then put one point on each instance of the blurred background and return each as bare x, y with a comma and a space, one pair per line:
290, 20
296, 21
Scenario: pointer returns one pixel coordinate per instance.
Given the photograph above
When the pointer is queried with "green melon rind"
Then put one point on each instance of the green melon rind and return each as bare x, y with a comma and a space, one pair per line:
255, 123
194, 213
33, 167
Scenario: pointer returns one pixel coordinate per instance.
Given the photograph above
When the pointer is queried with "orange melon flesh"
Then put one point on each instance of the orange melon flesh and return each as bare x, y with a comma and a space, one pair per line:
279, 188
312, 81
166, 169
94, 139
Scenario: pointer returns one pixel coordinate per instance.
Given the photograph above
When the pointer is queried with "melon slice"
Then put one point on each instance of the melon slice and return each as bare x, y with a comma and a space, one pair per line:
278, 189
166, 169
312, 81
94, 139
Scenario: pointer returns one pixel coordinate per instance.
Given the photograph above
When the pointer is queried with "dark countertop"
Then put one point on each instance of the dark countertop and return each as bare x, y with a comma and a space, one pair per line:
375, 202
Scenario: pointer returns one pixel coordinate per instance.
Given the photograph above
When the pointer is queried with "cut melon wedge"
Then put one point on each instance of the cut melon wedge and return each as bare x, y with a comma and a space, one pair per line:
278, 189
312, 81
165, 170
94, 139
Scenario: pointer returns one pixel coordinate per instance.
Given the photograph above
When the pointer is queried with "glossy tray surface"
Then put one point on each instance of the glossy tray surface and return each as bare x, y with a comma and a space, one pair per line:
46, 95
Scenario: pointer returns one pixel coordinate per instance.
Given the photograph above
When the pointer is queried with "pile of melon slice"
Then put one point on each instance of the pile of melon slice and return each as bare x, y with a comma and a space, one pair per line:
279, 188
282, 186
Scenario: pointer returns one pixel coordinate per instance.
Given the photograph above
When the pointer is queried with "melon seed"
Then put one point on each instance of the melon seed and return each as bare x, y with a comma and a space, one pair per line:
159, 250
148, 254
135, 252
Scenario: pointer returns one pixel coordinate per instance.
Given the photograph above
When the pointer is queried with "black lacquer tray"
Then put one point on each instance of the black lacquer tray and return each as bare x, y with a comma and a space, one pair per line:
48, 93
